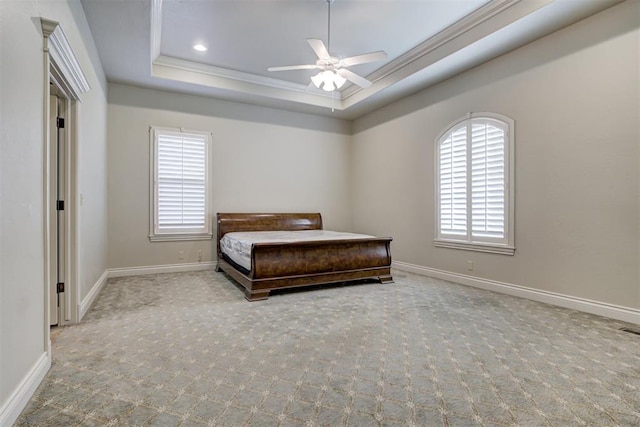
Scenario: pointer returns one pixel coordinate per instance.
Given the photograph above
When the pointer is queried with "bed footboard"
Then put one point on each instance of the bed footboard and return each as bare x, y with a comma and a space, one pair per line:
293, 259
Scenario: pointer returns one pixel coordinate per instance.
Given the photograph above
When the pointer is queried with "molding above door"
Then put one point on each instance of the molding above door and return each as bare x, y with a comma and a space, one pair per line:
65, 70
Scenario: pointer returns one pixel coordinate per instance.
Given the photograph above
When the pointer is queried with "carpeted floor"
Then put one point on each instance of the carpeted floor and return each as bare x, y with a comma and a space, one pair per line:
186, 349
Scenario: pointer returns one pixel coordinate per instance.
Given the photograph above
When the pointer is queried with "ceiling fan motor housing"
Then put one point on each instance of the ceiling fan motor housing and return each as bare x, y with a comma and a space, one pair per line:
328, 64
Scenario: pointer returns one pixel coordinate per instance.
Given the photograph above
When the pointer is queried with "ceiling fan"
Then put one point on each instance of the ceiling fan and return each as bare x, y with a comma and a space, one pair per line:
333, 72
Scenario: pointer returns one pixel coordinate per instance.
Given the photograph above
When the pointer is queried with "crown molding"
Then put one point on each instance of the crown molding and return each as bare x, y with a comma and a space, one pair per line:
63, 60
445, 36
225, 73
496, 16
156, 28
176, 69
172, 68
493, 18
222, 78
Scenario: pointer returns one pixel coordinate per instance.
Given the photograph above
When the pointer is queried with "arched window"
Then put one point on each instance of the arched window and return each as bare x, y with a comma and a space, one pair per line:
474, 184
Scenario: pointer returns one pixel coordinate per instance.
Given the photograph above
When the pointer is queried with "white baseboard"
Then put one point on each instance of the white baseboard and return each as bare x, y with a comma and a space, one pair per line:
93, 293
624, 314
11, 409
136, 271
155, 269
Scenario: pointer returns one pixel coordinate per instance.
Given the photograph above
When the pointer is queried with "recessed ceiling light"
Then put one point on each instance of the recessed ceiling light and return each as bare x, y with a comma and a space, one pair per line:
200, 48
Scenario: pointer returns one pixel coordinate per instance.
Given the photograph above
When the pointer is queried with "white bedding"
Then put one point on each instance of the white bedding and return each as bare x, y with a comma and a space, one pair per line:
237, 245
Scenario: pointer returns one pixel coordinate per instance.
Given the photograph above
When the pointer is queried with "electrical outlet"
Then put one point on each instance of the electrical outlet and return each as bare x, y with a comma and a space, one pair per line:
200, 256
180, 254
470, 265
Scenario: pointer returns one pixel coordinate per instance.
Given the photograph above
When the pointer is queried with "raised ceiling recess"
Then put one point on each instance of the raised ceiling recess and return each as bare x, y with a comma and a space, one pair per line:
150, 43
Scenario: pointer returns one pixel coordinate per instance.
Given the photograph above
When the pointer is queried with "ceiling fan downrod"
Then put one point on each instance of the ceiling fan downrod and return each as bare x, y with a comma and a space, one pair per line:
329, 24
333, 71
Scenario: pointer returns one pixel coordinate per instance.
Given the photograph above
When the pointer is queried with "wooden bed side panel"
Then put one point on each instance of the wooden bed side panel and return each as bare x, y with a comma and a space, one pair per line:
292, 259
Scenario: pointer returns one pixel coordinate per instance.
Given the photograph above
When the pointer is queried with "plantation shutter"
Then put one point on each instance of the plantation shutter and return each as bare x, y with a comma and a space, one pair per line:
181, 182
453, 182
474, 188
487, 180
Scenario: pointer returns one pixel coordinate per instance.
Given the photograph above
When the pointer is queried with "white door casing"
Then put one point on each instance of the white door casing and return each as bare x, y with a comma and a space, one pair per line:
62, 72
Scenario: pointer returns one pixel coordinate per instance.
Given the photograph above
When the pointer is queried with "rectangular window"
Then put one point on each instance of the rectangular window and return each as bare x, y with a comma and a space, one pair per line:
474, 173
180, 185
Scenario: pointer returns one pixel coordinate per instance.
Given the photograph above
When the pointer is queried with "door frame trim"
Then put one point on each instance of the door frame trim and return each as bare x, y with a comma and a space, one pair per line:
62, 69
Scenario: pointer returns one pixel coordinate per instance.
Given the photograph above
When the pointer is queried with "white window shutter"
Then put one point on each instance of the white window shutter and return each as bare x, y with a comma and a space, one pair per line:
180, 184
487, 180
453, 183
474, 193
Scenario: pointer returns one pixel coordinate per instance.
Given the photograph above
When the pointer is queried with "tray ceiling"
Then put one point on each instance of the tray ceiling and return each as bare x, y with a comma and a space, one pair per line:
150, 43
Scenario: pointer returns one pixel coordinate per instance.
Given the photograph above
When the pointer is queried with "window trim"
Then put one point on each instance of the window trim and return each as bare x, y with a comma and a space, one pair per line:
155, 235
507, 248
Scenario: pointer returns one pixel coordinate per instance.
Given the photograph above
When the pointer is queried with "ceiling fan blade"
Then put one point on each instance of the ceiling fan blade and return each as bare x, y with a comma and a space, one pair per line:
364, 58
354, 78
293, 67
319, 48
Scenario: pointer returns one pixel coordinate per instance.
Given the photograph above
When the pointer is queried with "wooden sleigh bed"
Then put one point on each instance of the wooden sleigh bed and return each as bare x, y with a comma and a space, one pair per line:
295, 264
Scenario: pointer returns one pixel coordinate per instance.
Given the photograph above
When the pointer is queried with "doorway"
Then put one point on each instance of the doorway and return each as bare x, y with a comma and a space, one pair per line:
63, 79
58, 122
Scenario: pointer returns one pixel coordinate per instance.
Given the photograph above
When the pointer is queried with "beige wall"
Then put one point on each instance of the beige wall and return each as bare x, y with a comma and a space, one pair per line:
575, 97
22, 295
263, 160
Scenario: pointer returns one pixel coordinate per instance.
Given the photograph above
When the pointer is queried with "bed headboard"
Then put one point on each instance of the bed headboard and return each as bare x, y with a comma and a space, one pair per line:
229, 222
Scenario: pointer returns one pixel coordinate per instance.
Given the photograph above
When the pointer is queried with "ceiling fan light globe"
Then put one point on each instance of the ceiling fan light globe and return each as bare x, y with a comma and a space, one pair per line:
317, 79
328, 80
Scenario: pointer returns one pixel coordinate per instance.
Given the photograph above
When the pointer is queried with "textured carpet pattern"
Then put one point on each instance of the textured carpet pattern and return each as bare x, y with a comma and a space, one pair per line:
186, 349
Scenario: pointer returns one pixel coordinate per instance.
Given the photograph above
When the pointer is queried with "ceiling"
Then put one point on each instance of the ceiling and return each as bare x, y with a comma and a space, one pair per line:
149, 43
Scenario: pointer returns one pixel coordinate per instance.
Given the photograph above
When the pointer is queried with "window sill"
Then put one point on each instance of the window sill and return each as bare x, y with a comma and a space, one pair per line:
478, 247
176, 237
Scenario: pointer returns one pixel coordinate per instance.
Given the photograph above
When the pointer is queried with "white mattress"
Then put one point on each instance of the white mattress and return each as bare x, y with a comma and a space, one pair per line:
237, 245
